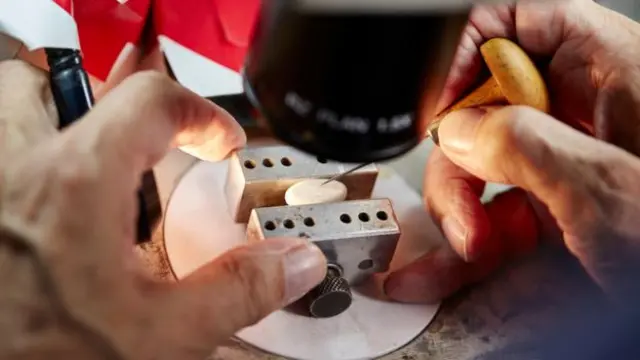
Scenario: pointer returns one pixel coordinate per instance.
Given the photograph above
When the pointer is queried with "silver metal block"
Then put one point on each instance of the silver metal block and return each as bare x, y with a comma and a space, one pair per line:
259, 177
359, 236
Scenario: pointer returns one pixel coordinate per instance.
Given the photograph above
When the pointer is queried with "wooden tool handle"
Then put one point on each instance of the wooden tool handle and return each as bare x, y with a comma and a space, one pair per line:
514, 80
488, 93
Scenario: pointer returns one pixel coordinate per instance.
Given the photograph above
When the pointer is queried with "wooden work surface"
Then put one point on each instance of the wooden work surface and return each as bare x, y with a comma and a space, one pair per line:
481, 322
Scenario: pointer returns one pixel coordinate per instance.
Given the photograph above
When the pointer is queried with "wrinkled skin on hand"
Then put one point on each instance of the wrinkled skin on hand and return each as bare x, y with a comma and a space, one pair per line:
587, 178
67, 223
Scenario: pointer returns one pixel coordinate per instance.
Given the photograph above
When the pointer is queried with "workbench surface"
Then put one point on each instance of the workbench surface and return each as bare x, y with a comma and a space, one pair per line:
484, 321
498, 315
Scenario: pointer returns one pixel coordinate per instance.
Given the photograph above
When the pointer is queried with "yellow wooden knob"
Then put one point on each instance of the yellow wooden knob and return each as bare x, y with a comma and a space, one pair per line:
515, 80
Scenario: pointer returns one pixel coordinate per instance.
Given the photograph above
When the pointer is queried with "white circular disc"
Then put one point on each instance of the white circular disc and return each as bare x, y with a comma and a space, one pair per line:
315, 191
198, 228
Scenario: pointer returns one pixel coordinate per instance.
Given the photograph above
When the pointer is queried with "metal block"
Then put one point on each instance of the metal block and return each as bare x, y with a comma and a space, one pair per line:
259, 177
359, 236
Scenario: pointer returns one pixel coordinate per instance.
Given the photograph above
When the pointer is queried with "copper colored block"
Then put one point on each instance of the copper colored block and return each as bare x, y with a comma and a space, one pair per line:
259, 177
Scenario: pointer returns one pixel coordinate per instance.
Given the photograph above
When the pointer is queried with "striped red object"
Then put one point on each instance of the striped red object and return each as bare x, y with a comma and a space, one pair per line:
105, 27
217, 29
65, 4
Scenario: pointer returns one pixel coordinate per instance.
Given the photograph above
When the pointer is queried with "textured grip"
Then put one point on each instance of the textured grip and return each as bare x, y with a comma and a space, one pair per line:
331, 298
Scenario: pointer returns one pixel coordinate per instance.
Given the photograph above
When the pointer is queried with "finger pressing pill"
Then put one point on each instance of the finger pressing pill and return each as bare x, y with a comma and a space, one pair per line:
312, 191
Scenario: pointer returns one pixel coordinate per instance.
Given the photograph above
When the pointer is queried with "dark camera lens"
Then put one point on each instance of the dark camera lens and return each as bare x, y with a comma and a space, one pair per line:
351, 84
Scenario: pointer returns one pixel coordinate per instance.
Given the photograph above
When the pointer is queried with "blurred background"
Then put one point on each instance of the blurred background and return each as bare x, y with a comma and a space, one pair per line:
630, 8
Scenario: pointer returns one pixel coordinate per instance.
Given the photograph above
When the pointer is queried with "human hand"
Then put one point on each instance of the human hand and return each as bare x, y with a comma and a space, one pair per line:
593, 83
67, 223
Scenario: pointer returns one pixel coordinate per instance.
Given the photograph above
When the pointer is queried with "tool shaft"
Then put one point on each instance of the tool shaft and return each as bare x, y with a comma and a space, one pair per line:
432, 132
343, 174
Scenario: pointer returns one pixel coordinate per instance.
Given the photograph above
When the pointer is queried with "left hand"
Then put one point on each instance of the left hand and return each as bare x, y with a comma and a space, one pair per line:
71, 285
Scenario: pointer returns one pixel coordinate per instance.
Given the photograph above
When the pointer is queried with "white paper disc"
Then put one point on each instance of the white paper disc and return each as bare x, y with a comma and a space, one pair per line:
315, 191
198, 228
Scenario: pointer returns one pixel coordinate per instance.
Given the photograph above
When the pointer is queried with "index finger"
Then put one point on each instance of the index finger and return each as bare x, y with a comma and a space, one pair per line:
485, 22
148, 113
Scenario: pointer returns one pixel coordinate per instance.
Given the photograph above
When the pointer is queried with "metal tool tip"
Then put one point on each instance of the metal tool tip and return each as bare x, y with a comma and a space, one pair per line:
432, 132
341, 175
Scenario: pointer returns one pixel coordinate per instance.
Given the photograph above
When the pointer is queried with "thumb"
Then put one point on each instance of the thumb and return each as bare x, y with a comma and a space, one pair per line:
520, 146
238, 289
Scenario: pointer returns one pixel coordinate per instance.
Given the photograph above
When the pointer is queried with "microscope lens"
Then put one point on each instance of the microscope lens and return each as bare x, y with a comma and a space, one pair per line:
352, 83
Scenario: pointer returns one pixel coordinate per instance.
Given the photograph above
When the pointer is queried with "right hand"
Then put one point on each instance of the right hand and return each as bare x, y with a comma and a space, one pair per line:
590, 187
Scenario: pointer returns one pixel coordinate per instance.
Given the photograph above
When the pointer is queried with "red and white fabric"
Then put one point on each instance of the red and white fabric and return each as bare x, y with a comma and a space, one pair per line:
204, 41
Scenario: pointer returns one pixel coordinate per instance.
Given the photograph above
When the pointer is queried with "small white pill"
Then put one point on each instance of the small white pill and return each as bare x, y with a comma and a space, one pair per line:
311, 191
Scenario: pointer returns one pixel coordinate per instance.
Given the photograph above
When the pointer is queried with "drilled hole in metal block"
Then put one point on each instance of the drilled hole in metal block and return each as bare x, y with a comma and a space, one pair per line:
381, 215
267, 163
289, 224
304, 235
285, 161
345, 218
322, 160
309, 222
364, 217
249, 164
365, 264
270, 225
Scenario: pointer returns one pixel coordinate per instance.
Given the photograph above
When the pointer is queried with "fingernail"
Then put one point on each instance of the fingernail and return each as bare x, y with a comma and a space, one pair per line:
432, 131
457, 131
457, 235
234, 136
305, 267
236, 140
232, 143
429, 279
408, 288
217, 148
